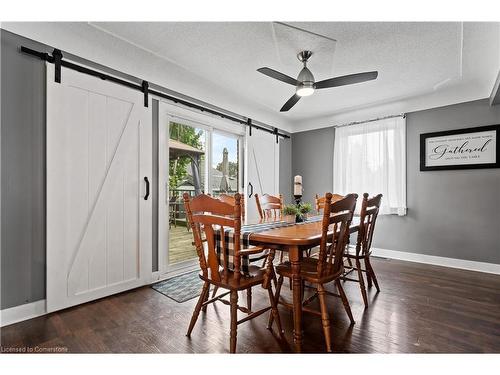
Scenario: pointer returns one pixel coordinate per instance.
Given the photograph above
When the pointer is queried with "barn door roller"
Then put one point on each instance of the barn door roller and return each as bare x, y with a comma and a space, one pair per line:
57, 55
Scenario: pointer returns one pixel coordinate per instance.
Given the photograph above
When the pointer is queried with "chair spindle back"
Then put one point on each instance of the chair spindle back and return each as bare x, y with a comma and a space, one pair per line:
337, 215
208, 215
231, 200
368, 216
319, 202
269, 206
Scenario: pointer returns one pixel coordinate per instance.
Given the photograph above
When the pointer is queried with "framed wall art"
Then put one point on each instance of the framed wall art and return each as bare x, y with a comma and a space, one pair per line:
460, 149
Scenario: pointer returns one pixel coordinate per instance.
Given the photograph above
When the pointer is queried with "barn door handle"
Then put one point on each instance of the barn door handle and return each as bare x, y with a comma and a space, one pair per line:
147, 188
251, 190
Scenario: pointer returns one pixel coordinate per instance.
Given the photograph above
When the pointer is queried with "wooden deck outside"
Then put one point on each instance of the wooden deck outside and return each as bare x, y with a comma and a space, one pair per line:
180, 245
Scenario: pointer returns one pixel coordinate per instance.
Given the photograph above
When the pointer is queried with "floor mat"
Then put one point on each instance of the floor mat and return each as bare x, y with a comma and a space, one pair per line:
180, 288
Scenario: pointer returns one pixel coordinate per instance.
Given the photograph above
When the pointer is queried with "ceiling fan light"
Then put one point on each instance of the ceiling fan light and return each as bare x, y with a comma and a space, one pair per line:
305, 89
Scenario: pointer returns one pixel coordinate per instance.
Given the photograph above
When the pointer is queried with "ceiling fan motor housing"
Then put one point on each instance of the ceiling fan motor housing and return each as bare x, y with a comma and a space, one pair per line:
305, 77
306, 82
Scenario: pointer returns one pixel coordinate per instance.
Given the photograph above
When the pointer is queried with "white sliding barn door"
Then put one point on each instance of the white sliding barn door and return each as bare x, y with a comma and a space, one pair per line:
262, 168
99, 141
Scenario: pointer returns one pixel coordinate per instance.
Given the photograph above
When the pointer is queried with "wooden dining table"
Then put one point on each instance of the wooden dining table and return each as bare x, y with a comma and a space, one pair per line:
294, 239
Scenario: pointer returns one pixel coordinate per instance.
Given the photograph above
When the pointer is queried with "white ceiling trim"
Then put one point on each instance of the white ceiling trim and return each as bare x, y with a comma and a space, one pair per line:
419, 103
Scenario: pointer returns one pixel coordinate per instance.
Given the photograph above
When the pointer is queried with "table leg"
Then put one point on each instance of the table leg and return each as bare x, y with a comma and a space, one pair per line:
295, 255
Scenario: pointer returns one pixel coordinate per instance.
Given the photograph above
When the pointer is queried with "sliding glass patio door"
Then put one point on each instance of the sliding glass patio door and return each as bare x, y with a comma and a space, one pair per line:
194, 157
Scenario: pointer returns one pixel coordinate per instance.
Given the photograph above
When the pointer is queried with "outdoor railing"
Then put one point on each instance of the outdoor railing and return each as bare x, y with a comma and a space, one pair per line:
176, 204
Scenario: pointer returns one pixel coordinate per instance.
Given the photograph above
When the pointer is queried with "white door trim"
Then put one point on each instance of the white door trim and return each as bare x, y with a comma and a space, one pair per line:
164, 269
202, 120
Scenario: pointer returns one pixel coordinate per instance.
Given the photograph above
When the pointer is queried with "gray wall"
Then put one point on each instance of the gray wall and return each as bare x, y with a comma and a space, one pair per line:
23, 174
312, 158
453, 214
285, 179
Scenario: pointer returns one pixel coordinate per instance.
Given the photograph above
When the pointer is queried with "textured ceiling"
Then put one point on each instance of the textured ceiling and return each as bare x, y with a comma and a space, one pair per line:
413, 59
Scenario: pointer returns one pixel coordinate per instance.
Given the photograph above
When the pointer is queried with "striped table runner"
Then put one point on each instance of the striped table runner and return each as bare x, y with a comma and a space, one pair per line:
246, 233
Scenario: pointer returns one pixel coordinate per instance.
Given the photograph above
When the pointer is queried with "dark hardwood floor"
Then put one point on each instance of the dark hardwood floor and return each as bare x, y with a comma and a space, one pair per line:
420, 309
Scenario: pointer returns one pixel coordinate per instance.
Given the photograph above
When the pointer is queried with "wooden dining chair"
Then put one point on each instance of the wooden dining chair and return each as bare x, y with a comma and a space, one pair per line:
328, 267
319, 202
269, 206
210, 215
231, 200
362, 250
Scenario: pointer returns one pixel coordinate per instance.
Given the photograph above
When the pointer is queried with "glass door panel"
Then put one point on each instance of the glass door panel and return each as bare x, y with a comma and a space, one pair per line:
225, 176
187, 174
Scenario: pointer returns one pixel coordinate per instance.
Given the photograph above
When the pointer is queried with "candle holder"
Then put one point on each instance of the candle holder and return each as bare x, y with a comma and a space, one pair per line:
298, 199
298, 217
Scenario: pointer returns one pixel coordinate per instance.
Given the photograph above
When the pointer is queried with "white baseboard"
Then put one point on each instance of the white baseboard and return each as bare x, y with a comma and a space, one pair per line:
438, 261
22, 312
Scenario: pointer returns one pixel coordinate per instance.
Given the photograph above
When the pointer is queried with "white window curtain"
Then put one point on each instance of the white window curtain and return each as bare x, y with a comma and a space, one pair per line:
371, 158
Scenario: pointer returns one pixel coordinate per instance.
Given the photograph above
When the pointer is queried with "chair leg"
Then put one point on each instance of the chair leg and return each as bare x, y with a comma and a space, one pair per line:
196, 313
276, 298
274, 312
249, 300
349, 261
368, 275
372, 273
325, 317
207, 294
345, 301
362, 283
234, 320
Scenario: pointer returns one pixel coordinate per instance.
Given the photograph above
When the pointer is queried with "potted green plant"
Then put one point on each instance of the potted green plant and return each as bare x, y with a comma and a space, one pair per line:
298, 210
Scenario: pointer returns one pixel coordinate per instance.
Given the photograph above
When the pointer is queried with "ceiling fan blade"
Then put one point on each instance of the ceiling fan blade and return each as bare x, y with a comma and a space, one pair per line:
279, 76
346, 80
290, 103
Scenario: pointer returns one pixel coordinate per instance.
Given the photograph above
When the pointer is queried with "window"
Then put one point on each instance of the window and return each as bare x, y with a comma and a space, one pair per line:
371, 158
